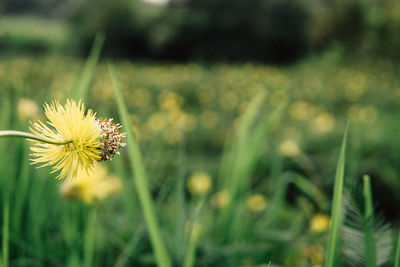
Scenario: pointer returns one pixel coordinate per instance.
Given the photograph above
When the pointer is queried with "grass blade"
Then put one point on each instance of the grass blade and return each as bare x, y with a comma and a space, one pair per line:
334, 231
240, 160
89, 245
308, 188
370, 247
140, 179
6, 230
397, 254
82, 88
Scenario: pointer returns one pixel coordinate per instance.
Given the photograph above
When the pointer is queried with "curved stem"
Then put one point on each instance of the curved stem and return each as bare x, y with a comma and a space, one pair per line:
10, 133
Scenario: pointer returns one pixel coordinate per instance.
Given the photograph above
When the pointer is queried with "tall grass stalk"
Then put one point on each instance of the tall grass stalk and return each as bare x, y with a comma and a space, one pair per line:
140, 179
89, 245
191, 251
240, 158
397, 253
6, 229
23, 189
180, 199
369, 239
333, 242
82, 88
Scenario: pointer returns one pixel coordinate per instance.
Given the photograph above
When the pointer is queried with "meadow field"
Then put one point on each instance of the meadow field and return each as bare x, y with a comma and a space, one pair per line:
238, 160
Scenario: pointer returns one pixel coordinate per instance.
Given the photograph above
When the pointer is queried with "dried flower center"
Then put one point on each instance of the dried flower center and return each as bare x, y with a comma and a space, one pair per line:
111, 138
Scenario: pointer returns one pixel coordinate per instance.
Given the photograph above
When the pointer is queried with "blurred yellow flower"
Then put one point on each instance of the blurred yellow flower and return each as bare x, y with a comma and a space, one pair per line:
173, 135
27, 109
205, 95
320, 223
91, 187
355, 87
170, 101
316, 254
256, 202
156, 122
289, 148
228, 100
199, 183
300, 110
323, 123
368, 114
221, 199
190, 122
140, 97
279, 99
208, 118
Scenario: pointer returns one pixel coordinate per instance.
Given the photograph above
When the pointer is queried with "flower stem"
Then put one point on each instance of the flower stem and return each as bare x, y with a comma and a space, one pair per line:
10, 133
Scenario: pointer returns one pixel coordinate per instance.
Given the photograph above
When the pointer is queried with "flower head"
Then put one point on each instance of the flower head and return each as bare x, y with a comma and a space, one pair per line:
91, 187
81, 133
256, 202
199, 183
111, 137
221, 199
320, 223
27, 109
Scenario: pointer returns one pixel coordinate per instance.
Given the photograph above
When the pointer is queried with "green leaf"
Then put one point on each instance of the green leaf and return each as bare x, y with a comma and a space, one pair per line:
81, 89
397, 254
140, 179
334, 231
370, 247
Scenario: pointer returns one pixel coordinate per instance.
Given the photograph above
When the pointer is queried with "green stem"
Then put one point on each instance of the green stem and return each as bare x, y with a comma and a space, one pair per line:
397, 254
370, 246
10, 133
141, 181
6, 231
334, 232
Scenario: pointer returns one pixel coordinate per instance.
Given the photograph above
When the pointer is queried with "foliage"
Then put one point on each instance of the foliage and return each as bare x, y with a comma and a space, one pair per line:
190, 119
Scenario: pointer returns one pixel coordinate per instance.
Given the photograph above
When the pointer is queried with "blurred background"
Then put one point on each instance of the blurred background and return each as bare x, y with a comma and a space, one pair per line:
262, 31
239, 108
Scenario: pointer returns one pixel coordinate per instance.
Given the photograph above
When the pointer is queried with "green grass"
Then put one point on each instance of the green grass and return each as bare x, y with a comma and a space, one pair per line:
230, 121
336, 210
41, 35
397, 254
140, 178
370, 247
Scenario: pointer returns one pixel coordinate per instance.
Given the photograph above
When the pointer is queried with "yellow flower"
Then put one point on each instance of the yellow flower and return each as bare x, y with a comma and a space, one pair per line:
90, 139
256, 202
320, 223
199, 183
323, 123
208, 119
221, 199
27, 108
316, 254
91, 187
289, 148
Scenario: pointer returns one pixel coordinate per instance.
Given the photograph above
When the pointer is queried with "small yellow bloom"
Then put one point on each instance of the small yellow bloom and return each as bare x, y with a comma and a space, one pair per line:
323, 123
256, 202
91, 187
289, 148
320, 223
208, 119
221, 199
90, 139
199, 183
27, 109
316, 254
